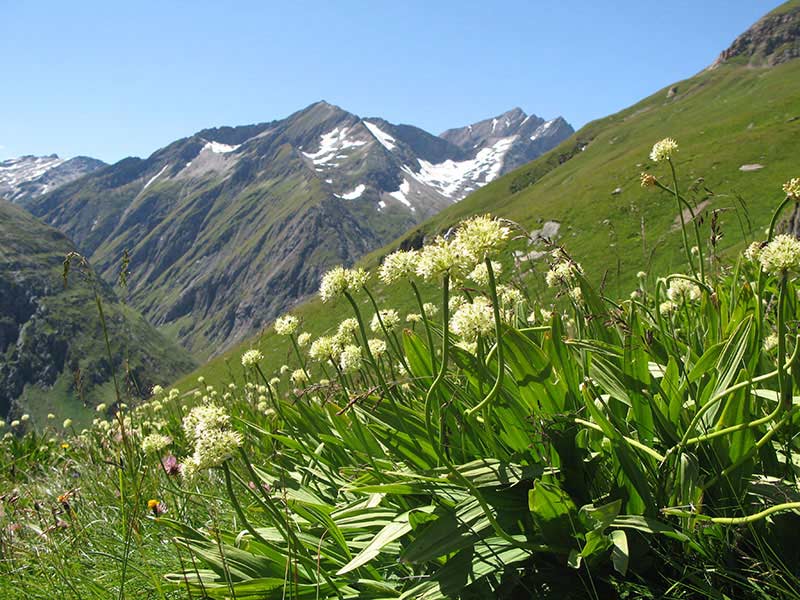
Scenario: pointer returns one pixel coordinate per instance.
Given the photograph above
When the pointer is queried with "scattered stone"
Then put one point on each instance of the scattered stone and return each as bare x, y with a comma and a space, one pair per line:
672, 91
751, 167
617, 191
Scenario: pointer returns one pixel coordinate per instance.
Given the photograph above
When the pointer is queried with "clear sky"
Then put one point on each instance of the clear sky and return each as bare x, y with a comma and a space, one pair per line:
112, 79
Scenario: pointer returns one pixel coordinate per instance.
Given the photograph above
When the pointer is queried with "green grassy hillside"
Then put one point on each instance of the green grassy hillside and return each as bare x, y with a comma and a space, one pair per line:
53, 357
723, 118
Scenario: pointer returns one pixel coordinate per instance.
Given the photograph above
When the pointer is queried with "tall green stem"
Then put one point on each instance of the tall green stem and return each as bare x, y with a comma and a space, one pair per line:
425, 322
498, 329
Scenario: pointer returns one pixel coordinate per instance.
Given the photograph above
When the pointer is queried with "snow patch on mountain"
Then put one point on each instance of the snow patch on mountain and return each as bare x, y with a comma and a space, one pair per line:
402, 193
331, 144
15, 171
453, 177
154, 177
384, 138
356, 193
218, 148
542, 129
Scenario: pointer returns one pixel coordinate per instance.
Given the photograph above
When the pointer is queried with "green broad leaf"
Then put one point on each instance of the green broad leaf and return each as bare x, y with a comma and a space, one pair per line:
451, 531
417, 354
649, 525
554, 514
532, 372
730, 359
598, 518
707, 362
470, 565
399, 527
636, 481
619, 552
490, 472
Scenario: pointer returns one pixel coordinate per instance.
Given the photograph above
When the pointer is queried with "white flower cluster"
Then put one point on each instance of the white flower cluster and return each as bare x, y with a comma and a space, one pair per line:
683, 290
476, 239
207, 427
339, 280
390, 318
286, 325
377, 347
792, 188
663, 150
252, 358
350, 358
780, 255
472, 320
324, 348
398, 265
155, 442
562, 272
299, 377
480, 274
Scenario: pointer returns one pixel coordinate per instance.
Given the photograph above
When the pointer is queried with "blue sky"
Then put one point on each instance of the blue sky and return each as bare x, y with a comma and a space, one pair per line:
112, 79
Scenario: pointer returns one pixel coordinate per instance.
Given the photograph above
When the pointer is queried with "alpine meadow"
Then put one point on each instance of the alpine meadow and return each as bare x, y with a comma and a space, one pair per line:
330, 356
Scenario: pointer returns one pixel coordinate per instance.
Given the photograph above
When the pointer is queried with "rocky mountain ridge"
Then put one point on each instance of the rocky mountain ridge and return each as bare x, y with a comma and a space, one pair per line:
229, 227
772, 40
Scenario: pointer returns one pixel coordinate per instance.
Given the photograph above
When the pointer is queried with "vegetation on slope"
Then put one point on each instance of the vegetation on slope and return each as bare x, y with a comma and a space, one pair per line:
607, 449
724, 118
53, 358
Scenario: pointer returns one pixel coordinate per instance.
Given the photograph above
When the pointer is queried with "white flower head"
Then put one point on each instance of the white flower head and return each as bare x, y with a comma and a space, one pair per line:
350, 358
780, 255
324, 348
377, 347
398, 265
299, 377
286, 325
792, 188
252, 357
563, 273
390, 318
481, 236
472, 320
442, 257
155, 442
430, 309
663, 150
753, 251
683, 290
303, 339
347, 327
480, 274
339, 280
667, 307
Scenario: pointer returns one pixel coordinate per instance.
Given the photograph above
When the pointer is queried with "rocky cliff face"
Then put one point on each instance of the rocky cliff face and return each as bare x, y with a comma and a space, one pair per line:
771, 41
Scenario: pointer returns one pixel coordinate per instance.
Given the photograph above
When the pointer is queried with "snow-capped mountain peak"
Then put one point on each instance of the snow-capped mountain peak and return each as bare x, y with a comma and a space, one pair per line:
30, 176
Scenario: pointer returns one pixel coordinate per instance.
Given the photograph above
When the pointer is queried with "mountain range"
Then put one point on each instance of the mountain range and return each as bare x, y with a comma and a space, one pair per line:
231, 226
737, 124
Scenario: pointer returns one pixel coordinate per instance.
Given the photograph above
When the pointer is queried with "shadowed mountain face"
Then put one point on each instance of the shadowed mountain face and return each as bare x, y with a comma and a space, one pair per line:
51, 337
231, 226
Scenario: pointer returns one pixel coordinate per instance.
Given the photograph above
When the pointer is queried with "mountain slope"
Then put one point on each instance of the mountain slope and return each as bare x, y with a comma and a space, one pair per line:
26, 177
231, 226
587, 190
49, 334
